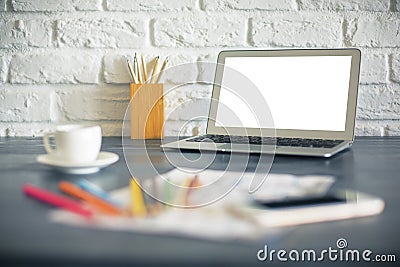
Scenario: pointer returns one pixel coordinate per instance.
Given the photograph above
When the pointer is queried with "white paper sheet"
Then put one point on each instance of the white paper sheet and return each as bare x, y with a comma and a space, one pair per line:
214, 221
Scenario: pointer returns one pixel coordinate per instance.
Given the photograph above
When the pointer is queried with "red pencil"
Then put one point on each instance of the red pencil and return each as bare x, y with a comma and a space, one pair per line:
56, 200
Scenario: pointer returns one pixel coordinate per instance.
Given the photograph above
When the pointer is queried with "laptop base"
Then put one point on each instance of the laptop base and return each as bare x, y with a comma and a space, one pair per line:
264, 149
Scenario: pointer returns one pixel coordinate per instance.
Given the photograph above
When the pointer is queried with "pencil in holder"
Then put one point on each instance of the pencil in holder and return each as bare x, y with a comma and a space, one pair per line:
147, 111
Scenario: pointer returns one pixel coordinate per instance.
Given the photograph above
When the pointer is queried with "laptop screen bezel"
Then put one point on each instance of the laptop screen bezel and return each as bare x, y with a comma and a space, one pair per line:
347, 134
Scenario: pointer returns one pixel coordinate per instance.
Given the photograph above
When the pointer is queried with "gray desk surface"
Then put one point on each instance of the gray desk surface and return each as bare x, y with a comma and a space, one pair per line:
26, 236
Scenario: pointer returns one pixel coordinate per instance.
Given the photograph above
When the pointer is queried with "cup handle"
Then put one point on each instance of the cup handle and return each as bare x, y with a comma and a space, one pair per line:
46, 141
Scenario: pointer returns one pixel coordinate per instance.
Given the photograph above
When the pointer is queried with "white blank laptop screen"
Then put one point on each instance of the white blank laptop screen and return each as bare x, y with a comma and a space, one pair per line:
302, 92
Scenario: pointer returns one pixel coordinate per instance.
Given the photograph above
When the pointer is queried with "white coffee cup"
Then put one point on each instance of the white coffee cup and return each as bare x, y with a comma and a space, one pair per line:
74, 143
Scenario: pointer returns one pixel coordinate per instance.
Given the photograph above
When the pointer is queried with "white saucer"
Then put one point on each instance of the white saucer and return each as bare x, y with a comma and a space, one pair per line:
103, 160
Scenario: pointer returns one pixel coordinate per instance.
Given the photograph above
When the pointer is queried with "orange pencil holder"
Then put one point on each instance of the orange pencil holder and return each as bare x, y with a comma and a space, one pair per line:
147, 111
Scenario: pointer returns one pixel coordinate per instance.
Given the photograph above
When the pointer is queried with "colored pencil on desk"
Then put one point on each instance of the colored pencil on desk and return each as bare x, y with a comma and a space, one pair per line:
138, 207
56, 200
99, 204
96, 191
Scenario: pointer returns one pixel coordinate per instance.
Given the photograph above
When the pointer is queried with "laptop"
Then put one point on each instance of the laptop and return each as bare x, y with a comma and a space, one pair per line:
304, 101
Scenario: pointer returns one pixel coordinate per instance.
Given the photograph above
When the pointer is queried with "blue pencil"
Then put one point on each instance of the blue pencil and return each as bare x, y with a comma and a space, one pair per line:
96, 190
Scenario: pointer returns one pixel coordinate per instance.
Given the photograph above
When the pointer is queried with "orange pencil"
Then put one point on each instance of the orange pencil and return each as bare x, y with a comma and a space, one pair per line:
92, 200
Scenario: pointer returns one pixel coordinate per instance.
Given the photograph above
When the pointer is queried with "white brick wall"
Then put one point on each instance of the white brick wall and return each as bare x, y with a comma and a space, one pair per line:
55, 68
369, 5
100, 33
395, 68
151, 5
16, 105
308, 30
56, 5
375, 30
63, 61
26, 32
202, 30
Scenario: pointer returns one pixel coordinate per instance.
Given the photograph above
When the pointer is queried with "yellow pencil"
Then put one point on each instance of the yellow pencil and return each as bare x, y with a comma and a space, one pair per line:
138, 207
161, 70
135, 79
144, 69
138, 71
155, 70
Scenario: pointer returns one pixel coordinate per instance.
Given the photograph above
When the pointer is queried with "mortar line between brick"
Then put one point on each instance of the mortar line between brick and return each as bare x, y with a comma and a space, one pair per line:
104, 5
388, 64
8, 76
392, 6
151, 37
249, 37
200, 5
8, 5
54, 33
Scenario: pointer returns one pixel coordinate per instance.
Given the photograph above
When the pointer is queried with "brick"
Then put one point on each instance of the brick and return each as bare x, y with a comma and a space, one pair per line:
370, 128
221, 5
190, 91
56, 5
395, 68
185, 128
378, 128
393, 129
374, 31
93, 104
55, 68
11, 129
336, 5
189, 102
35, 129
116, 71
373, 69
35, 33
199, 91
205, 31
181, 69
322, 30
378, 102
25, 105
151, 5
4, 61
188, 110
207, 66
111, 128
101, 33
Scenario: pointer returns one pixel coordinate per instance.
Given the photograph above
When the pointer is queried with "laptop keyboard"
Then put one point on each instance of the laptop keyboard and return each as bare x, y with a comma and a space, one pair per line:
257, 140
